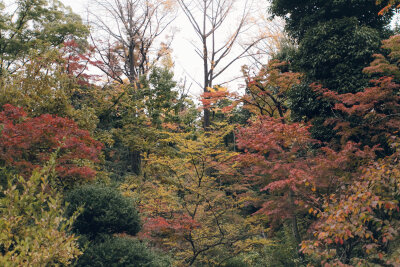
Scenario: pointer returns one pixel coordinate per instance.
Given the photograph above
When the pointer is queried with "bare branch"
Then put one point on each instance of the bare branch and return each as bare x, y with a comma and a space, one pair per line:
210, 20
134, 27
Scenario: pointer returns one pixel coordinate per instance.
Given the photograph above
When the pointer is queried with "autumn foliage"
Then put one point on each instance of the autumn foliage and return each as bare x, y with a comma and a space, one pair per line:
300, 169
390, 4
283, 160
266, 92
362, 220
77, 59
26, 144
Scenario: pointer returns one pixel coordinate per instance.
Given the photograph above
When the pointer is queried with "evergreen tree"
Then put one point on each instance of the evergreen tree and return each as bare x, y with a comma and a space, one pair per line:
336, 41
108, 223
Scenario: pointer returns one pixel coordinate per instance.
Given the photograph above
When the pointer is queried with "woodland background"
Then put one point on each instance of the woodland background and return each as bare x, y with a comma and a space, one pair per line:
105, 159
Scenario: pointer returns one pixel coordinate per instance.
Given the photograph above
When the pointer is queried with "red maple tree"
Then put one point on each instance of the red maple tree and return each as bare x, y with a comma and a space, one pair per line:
26, 143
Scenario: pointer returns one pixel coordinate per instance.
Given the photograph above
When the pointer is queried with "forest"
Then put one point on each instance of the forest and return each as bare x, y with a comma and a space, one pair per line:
106, 159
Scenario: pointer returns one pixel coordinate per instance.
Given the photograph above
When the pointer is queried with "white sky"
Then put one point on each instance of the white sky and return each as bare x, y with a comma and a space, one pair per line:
187, 63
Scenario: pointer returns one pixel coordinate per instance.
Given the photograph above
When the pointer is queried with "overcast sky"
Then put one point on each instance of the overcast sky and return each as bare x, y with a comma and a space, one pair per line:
187, 63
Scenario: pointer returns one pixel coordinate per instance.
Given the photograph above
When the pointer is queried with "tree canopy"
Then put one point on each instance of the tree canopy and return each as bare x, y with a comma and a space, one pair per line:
107, 158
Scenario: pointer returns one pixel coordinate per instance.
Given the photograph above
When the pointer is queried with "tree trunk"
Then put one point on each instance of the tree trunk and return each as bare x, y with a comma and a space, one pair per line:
136, 161
131, 61
206, 122
294, 224
295, 230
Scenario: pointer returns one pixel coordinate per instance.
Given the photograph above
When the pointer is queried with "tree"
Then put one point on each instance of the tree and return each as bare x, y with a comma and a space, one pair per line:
35, 26
40, 87
269, 136
105, 211
208, 19
267, 92
306, 15
360, 226
136, 120
27, 143
34, 230
371, 115
336, 40
347, 226
109, 221
51, 82
161, 100
337, 63
133, 29
77, 58
286, 171
196, 213
282, 161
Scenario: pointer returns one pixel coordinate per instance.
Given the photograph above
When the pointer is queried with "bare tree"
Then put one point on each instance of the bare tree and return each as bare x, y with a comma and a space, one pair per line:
274, 36
210, 20
132, 29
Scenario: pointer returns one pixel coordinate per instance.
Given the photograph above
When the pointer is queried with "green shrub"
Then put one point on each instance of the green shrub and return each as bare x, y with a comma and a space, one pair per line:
105, 211
121, 251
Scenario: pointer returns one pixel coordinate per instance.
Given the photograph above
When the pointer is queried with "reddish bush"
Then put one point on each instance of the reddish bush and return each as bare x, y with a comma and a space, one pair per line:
26, 143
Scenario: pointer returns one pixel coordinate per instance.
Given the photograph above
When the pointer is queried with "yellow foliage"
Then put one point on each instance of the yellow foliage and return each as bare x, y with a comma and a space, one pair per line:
33, 229
192, 205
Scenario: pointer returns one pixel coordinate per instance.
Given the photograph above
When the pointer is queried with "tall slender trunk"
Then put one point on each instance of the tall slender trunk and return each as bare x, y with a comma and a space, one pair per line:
294, 224
135, 156
131, 61
207, 78
206, 122
207, 83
